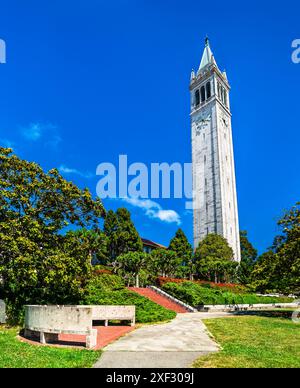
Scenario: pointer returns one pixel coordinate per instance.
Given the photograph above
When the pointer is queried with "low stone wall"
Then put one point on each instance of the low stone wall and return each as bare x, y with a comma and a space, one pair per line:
246, 307
114, 313
159, 291
47, 322
2, 312
59, 319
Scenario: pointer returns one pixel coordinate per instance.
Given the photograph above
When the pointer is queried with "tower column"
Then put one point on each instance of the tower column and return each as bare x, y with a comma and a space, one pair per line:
214, 183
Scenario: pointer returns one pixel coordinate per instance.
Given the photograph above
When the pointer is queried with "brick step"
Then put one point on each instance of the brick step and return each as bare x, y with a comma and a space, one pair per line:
159, 299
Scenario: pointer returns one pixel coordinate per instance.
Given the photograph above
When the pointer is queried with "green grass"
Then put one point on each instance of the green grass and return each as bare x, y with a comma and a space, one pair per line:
254, 342
15, 354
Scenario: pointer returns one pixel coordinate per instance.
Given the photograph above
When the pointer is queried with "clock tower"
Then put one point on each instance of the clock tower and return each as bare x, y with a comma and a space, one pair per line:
214, 184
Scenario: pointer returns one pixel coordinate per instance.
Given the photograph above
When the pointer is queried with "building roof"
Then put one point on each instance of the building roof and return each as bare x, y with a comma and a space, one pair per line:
207, 57
152, 244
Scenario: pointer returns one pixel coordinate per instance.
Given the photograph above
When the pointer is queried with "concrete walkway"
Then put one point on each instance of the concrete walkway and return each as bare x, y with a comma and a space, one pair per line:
172, 345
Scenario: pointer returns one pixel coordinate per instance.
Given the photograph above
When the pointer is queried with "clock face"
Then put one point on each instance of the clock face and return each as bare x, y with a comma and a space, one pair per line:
202, 122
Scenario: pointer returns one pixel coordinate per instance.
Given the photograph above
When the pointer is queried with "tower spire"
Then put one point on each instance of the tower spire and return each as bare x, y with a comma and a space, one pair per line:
207, 57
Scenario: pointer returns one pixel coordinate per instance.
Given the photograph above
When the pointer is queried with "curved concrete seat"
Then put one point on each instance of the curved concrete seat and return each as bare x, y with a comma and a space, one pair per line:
46, 323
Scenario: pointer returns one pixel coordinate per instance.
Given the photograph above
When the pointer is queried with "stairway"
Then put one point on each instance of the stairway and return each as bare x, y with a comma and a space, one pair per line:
159, 299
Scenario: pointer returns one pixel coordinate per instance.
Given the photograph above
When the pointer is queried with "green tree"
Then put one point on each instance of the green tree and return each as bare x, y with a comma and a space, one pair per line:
165, 262
263, 276
131, 265
181, 246
288, 252
35, 207
93, 242
279, 268
111, 227
248, 259
214, 259
122, 234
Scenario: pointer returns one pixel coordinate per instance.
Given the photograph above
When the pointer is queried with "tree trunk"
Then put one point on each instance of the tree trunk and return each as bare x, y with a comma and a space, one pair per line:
137, 281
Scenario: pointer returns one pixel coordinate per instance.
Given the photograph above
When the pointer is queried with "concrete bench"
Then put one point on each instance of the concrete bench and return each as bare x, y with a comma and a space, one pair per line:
2, 312
48, 322
114, 313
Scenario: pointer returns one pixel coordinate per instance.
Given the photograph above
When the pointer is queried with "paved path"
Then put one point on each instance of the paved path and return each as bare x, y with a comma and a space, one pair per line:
172, 345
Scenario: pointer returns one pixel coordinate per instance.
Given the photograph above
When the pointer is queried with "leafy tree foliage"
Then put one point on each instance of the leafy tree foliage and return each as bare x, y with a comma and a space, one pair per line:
288, 269
263, 275
122, 234
181, 246
165, 262
131, 265
279, 269
248, 259
92, 242
214, 259
36, 262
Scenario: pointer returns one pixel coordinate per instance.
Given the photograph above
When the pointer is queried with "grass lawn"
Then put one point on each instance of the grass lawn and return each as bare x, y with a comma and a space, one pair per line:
15, 354
254, 342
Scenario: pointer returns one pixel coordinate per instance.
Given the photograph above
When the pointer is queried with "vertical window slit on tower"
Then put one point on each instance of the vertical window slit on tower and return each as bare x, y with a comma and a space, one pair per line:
202, 94
208, 90
197, 97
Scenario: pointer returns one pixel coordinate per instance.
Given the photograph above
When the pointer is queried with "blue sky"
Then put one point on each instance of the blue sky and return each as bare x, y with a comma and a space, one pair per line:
88, 80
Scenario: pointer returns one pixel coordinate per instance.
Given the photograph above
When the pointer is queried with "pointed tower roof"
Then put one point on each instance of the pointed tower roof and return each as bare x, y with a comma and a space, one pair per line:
207, 57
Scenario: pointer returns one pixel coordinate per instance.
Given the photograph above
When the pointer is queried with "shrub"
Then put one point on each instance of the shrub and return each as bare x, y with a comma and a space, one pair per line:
197, 294
102, 269
110, 290
236, 288
105, 282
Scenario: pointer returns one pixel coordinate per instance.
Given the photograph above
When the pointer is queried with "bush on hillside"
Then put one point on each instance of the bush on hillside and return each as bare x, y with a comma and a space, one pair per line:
104, 282
110, 290
196, 295
235, 288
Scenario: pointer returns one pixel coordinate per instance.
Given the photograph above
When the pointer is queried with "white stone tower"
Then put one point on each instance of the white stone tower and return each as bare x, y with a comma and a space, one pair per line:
214, 185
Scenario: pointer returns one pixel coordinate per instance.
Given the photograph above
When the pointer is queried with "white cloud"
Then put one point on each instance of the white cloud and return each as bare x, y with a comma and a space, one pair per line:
33, 131
37, 131
73, 171
154, 210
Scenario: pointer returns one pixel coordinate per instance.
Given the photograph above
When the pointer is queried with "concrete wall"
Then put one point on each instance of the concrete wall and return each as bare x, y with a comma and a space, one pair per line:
114, 313
59, 319
2, 312
73, 319
247, 307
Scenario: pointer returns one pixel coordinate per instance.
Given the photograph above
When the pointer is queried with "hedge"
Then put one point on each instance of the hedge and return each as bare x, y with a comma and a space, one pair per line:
197, 295
110, 290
